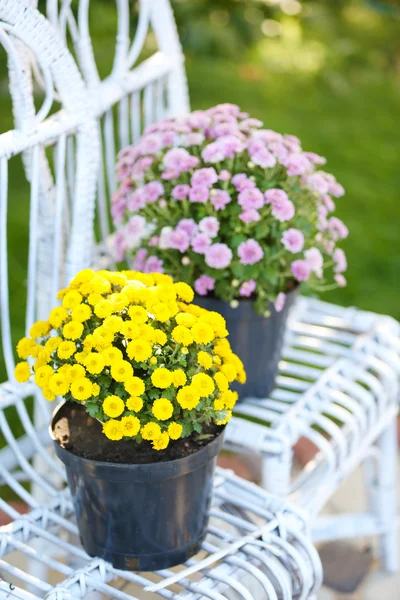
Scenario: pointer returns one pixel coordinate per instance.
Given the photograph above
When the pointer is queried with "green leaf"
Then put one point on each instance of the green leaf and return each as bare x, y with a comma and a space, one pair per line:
93, 410
197, 427
261, 230
187, 429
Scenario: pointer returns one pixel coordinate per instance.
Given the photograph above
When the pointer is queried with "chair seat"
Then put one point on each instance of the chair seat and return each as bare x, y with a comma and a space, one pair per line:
337, 387
256, 547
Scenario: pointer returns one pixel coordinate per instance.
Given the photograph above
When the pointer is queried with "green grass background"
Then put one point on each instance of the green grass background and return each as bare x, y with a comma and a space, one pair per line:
331, 77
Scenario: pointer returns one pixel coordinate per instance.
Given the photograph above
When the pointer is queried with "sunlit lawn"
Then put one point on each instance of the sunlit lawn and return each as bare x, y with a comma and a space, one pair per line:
352, 119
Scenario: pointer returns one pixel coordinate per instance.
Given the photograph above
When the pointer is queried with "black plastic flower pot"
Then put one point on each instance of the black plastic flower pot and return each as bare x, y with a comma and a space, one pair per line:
141, 517
257, 340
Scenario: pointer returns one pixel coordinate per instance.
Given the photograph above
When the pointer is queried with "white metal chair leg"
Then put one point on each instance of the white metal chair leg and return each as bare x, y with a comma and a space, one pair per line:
387, 497
276, 472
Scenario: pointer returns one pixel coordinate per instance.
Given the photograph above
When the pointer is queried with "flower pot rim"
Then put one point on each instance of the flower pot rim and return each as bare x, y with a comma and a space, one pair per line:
176, 467
211, 297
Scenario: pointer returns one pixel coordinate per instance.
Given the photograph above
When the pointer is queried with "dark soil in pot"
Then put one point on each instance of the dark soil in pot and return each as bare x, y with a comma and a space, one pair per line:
78, 433
146, 514
257, 340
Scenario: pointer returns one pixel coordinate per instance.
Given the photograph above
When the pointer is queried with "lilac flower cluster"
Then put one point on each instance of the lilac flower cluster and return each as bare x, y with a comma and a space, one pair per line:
232, 208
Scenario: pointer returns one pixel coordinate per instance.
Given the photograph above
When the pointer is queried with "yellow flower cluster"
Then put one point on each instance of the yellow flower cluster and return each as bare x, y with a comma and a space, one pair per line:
133, 349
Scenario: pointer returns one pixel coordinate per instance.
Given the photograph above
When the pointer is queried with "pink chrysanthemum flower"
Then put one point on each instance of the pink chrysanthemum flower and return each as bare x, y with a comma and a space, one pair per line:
293, 240
247, 288
218, 256
216, 192
250, 252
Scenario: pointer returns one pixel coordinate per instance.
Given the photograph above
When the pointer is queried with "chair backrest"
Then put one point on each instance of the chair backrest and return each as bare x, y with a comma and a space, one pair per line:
69, 144
135, 92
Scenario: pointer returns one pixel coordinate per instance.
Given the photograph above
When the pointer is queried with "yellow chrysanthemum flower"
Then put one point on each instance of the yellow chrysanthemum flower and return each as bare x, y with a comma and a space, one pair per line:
223, 348
202, 332
65, 371
113, 323
42, 375
134, 386
118, 279
162, 409
113, 429
161, 378
71, 299
175, 431
160, 337
188, 397
229, 370
182, 335
66, 350
82, 277
161, 312
121, 370
185, 319
150, 431
103, 309
173, 308
134, 403
178, 377
161, 278
81, 313
82, 389
161, 442
53, 343
24, 347
204, 360
165, 293
230, 398
217, 322
102, 338
22, 372
39, 329
43, 356
218, 404
130, 330
72, 330
95, 390
80, 356
139, 350
119, 302
94, 363
77, 371
48, 394
59, 384
138, 314
146, 333
58, 316
203, 384
221, 381
184, 350
111, 355
97, 284
94, 298
153, 360
241, 376
130, 426
184, 291
113, 406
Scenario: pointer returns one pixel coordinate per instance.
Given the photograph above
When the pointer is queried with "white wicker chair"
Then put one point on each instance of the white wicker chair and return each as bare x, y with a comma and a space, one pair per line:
257, 544
338, 387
